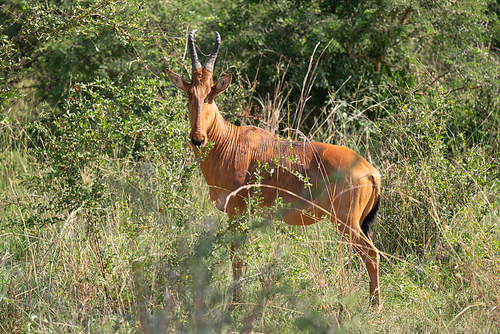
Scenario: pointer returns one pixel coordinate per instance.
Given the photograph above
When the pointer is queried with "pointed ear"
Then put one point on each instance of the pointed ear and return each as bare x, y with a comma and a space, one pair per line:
221, 85
178, 81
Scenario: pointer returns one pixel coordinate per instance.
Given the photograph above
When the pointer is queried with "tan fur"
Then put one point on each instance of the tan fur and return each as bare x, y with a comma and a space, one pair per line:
343, 186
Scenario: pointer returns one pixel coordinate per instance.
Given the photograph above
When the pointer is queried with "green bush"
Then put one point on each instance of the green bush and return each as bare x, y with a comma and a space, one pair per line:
441, 173
110, 141
106, 223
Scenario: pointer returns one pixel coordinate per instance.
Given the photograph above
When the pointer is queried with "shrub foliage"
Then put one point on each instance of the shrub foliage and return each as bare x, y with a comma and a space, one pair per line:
105, 221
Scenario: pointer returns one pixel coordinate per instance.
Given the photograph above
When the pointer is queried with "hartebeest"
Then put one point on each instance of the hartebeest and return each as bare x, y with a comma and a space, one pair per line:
315, 179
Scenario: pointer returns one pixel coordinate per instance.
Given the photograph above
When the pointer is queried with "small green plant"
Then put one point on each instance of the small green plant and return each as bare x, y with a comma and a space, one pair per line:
204, 151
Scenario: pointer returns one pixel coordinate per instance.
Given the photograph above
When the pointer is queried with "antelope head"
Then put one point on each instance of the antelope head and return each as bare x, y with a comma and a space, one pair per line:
201, 92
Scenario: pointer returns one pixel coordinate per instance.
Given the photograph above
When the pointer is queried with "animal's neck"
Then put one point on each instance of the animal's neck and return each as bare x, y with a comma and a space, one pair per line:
221, 133
222, 141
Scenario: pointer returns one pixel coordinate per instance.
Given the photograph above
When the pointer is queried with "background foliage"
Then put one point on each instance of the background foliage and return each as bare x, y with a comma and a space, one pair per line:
105, 222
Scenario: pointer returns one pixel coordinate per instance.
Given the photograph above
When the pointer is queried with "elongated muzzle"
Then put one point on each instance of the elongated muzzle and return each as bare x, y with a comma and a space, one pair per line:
197, 138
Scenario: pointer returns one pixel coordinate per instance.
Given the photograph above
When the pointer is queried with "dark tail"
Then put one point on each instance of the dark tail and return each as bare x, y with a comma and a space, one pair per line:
370, 218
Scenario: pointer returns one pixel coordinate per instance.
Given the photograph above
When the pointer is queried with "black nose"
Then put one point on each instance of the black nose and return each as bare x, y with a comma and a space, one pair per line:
197, 143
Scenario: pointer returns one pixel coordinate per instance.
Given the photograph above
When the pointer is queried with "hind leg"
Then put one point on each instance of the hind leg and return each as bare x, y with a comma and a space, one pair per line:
370, 256
368, 253
349, 209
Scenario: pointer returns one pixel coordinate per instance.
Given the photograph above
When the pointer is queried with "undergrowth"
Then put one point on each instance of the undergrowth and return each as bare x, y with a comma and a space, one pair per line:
106, 226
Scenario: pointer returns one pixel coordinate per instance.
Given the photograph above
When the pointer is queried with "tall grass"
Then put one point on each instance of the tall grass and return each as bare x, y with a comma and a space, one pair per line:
146, 251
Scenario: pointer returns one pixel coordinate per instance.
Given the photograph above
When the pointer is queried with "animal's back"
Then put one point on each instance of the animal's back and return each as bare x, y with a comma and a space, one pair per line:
302, 172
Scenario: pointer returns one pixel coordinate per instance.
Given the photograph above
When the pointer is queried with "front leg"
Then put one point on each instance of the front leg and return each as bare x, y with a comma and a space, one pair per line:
236, 260
234, 207
237, 266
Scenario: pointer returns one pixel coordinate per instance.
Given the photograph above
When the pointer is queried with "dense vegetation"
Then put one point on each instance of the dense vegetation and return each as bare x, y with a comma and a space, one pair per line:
105, 221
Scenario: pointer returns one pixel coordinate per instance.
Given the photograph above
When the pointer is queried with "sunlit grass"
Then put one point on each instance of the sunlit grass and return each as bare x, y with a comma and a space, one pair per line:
141, 268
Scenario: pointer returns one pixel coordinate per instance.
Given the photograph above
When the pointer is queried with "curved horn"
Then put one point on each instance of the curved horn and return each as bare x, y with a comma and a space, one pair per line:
194, 57
209, 65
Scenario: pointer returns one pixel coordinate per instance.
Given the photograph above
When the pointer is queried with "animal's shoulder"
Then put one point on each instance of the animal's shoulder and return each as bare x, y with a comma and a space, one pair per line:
256, 135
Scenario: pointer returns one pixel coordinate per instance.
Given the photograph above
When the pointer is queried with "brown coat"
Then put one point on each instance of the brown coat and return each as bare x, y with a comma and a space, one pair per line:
314, 179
